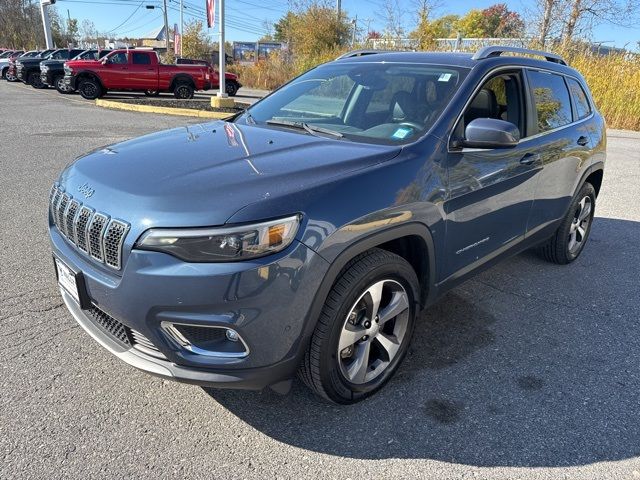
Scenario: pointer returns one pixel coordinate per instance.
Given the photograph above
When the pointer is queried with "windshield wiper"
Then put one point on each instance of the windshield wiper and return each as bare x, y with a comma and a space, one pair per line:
312, 129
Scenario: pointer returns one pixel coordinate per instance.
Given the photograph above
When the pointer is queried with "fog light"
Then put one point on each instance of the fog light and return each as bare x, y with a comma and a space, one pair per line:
232, 335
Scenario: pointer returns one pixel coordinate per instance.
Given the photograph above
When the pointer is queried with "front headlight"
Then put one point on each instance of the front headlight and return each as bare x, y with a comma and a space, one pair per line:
222, 244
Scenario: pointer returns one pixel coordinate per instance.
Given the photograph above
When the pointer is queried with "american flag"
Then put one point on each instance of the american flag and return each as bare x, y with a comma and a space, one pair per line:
211, 13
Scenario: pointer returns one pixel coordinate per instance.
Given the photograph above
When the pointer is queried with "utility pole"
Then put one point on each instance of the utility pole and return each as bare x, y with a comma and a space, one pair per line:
181, 25
166, 26
46, 22
339, 8
222, 92
354, 22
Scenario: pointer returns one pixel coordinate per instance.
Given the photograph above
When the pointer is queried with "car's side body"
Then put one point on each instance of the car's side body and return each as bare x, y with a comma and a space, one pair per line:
52, 70
141, 71
450, 211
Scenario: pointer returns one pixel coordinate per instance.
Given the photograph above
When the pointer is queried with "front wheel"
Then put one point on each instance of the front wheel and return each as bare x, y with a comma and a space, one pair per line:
364, 330
90, 89
61, 85
569, 240
4, 73
152, 93
35, 81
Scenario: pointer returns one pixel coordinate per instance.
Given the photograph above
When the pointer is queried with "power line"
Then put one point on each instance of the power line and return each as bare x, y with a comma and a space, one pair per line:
128, 18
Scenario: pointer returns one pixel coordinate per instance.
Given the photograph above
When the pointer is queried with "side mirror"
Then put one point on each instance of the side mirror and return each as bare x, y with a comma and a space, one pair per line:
105, 61
490, 133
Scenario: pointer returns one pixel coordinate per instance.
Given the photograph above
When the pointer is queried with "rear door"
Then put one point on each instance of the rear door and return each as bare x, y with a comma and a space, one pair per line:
143, 73
562, 136
490, 191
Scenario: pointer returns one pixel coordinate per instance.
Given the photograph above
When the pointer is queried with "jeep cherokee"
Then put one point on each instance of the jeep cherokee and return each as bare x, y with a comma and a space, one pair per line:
306, 233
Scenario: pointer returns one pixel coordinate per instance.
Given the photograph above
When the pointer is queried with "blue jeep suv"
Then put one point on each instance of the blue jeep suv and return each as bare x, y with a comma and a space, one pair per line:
305, 234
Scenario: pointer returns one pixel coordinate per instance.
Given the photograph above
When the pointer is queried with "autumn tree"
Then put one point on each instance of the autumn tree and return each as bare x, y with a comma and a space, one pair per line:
195, 41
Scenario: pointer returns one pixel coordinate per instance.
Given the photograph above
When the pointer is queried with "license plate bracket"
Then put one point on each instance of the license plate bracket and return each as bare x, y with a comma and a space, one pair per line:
72, 281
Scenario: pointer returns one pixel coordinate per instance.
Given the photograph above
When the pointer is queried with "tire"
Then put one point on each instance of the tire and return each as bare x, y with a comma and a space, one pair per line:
183, 91
34, 80
341, 375
231, 88
152, 93
90, 89
4, 73
10, 78
60, 86
569, 240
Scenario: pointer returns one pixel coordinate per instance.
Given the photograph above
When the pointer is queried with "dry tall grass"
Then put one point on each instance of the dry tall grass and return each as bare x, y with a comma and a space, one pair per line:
614, 80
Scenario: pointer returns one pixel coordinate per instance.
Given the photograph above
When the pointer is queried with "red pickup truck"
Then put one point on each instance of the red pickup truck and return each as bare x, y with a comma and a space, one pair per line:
135, 70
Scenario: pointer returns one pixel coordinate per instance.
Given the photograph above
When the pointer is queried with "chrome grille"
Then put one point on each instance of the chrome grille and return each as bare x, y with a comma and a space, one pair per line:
112, 242
69, 218
82, 221
94, 233
61, 208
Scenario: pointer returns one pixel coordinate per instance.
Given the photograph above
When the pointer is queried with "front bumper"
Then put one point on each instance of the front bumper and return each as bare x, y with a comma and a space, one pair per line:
47, 77
267, 302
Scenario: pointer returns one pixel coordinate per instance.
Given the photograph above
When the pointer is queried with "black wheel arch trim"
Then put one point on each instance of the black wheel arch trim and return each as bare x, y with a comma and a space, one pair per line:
181, 76
85, 74
371, 241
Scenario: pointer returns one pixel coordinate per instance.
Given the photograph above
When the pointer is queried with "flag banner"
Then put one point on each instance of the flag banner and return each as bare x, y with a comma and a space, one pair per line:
211, 13
177, 40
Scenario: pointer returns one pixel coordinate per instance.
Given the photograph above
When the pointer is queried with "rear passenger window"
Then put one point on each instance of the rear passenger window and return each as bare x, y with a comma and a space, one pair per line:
141, 59
551, 99
583, 109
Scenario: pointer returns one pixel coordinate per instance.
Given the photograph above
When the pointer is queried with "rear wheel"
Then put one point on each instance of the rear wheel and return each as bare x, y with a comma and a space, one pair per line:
231, 88
569, 240
89, 88
364, 330
183, 91
34, 80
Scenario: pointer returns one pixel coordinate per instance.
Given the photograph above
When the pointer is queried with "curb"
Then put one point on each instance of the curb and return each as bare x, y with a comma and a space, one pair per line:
182, 112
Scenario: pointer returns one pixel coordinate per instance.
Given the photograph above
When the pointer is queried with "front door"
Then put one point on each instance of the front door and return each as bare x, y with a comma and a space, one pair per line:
490, 191
116, 71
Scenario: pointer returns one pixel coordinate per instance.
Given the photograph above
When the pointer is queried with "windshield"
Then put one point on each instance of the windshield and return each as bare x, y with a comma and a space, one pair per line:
389, 103
6, 54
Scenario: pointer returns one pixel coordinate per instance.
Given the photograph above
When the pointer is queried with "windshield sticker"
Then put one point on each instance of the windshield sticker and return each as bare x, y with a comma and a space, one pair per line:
444, 77
401, 133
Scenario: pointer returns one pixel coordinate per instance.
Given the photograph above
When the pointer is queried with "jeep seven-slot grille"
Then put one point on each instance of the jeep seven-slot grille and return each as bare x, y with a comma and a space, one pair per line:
94, 233
125, 336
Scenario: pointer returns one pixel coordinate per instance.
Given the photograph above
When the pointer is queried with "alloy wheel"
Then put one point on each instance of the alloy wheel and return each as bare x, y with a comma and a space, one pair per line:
373, 331
580, 225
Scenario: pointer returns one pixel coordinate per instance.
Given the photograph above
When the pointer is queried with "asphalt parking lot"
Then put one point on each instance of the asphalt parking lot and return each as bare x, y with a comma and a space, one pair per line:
529, 371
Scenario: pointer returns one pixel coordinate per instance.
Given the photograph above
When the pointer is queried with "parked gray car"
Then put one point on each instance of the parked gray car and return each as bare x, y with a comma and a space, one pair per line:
308, 232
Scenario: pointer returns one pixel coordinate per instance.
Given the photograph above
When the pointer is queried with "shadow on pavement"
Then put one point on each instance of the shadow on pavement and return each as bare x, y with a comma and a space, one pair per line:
529, 364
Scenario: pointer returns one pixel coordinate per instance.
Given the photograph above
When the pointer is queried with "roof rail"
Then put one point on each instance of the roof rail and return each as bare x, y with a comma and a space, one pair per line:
361, 53
496, 51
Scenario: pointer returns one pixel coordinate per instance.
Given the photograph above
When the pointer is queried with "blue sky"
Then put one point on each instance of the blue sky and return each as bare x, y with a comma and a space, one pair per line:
246, 17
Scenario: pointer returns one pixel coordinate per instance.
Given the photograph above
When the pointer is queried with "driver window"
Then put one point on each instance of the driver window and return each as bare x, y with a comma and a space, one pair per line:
118, 58
501, 98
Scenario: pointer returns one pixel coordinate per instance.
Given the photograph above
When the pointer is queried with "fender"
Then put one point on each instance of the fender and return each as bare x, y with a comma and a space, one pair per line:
337, 265
181, 76
86, 73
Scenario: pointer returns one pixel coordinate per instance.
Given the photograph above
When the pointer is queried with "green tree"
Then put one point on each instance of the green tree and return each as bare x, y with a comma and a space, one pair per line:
428, 30
472, 24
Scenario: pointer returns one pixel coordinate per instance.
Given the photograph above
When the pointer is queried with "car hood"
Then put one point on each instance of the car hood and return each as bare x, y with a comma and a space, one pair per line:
83, 63
52, 63
200, 175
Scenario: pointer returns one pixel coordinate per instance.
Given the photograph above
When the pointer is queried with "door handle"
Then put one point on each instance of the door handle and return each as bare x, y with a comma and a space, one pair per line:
582, 141
530, 158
